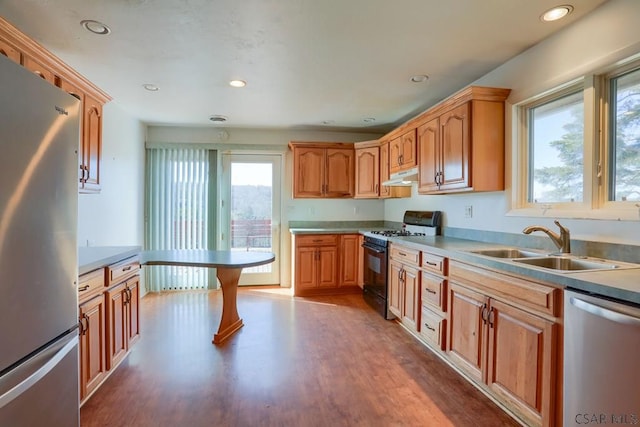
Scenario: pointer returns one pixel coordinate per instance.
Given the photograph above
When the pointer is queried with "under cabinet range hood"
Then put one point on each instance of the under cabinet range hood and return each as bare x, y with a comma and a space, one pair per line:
403, 178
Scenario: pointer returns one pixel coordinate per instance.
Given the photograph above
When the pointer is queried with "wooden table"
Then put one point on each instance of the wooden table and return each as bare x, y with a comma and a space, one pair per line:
229, 265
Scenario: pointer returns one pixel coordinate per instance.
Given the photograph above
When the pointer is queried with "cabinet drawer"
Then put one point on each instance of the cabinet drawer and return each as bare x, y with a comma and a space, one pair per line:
317, 239
434, 291
120, 271
406, 255
90, 284
434, 263
432, 328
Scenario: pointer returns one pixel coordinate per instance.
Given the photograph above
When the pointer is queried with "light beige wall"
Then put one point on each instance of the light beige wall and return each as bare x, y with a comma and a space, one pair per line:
114, 217
607, 35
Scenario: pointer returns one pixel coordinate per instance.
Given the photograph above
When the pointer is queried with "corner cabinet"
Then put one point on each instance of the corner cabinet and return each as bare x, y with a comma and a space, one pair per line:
325, 264
323, 170
503, 332
461, 143
32, 56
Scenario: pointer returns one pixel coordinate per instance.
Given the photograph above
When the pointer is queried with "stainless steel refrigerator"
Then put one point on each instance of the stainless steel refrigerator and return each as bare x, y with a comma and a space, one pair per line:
39, 135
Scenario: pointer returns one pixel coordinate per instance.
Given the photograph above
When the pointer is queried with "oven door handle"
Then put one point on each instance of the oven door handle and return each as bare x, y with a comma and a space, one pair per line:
374, 249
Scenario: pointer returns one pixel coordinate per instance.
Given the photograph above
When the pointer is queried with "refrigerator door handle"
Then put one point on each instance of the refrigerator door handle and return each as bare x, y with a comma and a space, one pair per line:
597, 310
32, 379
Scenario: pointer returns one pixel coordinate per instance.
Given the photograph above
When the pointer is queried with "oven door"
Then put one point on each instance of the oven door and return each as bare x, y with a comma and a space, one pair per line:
375, 279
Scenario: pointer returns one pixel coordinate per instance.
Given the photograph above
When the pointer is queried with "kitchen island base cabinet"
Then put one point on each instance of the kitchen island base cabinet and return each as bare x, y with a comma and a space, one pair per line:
505, 346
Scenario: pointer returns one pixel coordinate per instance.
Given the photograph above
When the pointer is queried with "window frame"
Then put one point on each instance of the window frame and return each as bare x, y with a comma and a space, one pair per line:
597, 152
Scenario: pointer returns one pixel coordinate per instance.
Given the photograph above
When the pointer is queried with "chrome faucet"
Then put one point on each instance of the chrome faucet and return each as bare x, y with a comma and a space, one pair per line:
562, 241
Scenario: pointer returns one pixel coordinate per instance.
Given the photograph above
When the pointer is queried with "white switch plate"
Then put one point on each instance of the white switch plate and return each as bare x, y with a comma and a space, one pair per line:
468, 211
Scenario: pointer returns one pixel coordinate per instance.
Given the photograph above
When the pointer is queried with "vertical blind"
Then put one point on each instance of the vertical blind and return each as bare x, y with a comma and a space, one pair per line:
177, 213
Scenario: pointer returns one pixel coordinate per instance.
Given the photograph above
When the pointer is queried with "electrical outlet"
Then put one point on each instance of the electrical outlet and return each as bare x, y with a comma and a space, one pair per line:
468, 211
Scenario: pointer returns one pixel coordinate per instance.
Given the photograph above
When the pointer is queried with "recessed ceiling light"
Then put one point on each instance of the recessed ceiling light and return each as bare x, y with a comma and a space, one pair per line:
237, 83
328, 122
556, 13
151, 87
369, 120
95, 27
419, 78
217, 118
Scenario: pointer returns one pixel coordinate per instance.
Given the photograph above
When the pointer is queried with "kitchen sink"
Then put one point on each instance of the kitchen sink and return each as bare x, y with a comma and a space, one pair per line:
508, 253
571, 264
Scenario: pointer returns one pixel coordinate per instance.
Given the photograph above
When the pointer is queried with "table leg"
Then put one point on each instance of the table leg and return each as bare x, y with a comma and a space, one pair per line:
230, 321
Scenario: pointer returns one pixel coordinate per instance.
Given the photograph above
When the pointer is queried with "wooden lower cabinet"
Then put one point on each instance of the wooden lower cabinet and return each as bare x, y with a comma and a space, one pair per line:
93, 366
122, 319
404, 286
510, 351
326, 264
109, 320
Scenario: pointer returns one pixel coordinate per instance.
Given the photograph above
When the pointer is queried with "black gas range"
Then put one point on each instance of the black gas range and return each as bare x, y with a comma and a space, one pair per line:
375, 289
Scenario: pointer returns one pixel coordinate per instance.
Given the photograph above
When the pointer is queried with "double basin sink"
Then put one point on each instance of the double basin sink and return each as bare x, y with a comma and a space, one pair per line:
560, 263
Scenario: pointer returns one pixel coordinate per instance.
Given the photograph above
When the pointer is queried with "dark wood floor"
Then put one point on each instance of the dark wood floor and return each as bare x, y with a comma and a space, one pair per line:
327, 361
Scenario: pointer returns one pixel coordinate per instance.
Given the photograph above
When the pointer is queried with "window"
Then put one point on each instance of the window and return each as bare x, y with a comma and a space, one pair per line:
556, 150
579, 149
624, 119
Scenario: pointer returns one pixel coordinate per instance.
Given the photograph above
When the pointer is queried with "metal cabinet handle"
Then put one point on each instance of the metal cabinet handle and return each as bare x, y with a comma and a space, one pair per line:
491, 317
426, 325
484, 313
84, 328
84, 288
127, 268
430, 291
433, 264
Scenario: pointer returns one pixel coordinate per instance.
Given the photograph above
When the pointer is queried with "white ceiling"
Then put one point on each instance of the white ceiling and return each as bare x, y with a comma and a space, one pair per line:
306, 62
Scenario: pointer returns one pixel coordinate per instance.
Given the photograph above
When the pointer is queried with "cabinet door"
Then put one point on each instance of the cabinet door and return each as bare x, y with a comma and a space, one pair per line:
339, 174
91, 144
384, 170
349, 247
411, 298
408, 156
430, 159
308, 172
39, 69
9, 51
466, 333
327, 266
117, 328
521, 366
93, 365
395, 155
454, 127
367, 172
306, 267
133, 316
395, 288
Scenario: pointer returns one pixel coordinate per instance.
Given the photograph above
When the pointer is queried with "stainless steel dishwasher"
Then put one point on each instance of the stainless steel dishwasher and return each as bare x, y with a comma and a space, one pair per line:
601, 361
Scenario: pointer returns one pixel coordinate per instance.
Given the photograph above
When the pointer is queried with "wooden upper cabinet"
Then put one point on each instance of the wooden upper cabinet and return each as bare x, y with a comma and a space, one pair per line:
91, 146
367, 172
403, 152
340, 174
384, 170
323, 170
10, 52
461, 143
32, 56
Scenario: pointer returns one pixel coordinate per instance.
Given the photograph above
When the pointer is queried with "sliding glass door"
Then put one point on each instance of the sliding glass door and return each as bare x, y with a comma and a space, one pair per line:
250, 211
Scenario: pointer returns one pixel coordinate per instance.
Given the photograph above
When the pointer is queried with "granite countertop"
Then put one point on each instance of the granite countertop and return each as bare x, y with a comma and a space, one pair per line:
621, 283
93, 257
